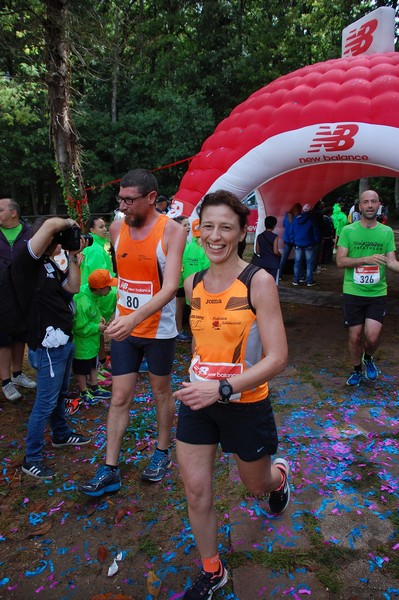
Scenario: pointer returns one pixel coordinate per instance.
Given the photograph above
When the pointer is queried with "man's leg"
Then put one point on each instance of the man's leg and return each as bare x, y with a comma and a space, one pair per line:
5, 362
17, 356
355, 344
165, 407
372, 332
123, 387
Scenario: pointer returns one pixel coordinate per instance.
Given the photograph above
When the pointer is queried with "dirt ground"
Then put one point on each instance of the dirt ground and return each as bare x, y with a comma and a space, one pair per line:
57, 544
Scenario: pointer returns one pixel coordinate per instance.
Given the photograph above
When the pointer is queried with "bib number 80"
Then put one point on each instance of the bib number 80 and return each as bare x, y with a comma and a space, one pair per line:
132, 302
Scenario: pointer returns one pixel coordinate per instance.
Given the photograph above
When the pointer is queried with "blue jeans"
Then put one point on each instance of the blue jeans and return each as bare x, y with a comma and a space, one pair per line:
51, 392
286, 252
306, 252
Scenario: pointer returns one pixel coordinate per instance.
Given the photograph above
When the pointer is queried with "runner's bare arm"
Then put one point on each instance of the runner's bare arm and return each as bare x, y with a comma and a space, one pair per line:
345, 262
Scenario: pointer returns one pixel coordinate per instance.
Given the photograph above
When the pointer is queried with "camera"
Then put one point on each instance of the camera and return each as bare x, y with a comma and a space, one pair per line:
70, 238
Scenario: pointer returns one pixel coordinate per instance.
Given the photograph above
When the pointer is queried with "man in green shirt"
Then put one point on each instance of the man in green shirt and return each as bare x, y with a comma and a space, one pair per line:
365, 249
13, 238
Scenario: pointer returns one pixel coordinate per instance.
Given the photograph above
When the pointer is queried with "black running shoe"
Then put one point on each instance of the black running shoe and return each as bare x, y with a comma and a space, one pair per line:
278, 500
205, 584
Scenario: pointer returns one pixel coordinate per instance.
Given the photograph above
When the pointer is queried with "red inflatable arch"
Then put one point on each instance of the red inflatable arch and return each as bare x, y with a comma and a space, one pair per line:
303, 135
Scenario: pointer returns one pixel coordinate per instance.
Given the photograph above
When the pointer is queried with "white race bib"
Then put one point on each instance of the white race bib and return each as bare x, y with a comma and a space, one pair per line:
366, 275
134, 294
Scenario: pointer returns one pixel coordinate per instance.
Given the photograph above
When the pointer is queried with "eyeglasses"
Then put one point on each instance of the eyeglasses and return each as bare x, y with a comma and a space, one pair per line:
129, 201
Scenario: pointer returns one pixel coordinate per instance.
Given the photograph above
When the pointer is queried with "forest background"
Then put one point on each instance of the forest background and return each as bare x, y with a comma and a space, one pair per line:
92, 88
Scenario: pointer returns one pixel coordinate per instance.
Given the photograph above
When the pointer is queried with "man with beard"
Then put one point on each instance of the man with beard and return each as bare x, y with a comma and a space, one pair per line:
365, 249
148, 252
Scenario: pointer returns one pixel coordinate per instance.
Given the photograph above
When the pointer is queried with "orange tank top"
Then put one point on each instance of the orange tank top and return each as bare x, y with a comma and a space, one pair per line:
141, 265
227, 340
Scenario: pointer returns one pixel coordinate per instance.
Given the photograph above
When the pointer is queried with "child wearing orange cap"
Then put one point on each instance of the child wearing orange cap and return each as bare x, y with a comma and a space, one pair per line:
87, 328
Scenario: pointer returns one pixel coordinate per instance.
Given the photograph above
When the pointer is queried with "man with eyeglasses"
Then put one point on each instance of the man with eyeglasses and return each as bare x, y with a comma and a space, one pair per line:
148, 251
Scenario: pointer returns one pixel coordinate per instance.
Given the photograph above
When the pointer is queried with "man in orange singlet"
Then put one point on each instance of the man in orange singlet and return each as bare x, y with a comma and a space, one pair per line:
148, 251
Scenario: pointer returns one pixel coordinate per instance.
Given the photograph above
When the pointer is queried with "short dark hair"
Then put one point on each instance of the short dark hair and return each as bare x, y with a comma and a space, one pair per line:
162, 199
225, 198
91, 221
12, 205
180, 218
270, 222
143, 180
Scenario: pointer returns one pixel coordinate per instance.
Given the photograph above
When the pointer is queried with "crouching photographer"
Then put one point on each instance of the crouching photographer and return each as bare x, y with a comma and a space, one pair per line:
44, 292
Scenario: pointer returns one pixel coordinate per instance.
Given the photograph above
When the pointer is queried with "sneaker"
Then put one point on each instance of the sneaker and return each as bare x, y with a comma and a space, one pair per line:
73, 440
311, 284
24, 380
295, 283
105, 480
100, 394
302, 280
104, 380
371, 371
355, 378
278, 500
183, 337
72, 406
159, 462
144, 366
38, 470
205, 584
11, 393
87, 397
104, 371
318, 270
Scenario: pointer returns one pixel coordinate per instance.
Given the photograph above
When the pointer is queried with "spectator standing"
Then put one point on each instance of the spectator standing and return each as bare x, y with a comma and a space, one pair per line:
13, 238
365, 249
162, 204
288, 236
318, 219
267, 253
49, 337
328, 237
245, 340
339, 219
305, 235
148, 250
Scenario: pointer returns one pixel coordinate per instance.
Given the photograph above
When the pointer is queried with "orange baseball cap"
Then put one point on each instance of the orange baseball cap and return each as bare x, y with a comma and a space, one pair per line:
195, 228
101, 278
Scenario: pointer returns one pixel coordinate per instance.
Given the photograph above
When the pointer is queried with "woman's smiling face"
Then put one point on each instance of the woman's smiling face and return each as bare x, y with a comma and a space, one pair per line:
220, 232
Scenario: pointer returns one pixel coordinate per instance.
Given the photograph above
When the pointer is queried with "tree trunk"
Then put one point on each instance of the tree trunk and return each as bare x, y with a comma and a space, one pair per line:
363, 185
62, 129
115, 68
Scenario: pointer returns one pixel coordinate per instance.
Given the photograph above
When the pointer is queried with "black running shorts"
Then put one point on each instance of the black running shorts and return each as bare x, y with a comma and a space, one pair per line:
247, 429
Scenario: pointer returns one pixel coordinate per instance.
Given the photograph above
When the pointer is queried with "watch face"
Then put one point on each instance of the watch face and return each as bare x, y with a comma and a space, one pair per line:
225, 390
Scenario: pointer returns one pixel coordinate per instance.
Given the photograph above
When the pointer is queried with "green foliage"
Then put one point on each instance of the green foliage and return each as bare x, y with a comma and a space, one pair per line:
149, 80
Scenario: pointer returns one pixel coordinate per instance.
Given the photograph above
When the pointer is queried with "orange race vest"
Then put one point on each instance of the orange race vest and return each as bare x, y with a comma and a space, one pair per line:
141, 265
227, 340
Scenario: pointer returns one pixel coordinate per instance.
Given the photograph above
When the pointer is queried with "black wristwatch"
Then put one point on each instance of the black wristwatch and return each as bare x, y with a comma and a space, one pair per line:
225, 391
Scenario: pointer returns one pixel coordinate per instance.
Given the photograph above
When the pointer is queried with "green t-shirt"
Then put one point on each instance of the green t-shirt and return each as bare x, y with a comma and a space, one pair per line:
11, 233
366, 280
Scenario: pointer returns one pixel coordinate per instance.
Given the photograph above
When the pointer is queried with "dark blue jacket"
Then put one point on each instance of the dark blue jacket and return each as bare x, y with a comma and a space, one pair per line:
304, 230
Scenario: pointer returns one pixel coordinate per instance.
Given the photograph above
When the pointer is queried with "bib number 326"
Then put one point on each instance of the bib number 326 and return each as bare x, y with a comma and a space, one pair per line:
366, 275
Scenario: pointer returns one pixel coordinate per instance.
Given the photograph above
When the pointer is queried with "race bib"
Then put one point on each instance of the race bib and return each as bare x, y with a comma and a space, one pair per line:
209, 371
134, 294
366, 275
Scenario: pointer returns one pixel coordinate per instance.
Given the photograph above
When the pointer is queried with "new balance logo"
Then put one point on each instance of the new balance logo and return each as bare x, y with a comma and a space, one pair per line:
334, 138
360, 40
